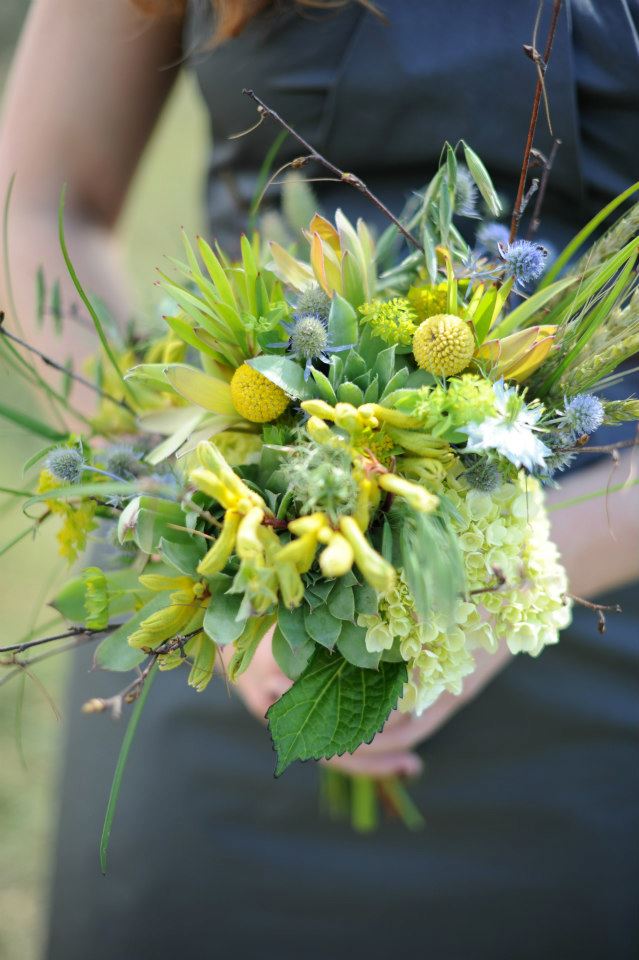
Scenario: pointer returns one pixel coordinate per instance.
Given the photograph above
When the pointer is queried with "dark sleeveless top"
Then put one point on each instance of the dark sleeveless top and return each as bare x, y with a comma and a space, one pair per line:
531, 792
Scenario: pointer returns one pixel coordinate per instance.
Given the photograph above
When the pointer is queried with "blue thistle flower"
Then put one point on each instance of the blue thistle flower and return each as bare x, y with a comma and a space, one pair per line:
66, 464
309, 340
123, 461
582, 415
523, 260
313, 300
490, 236
482, 474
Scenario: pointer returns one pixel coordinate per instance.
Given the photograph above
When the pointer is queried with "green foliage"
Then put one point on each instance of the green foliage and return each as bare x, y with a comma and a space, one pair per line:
285, 374
332, 708
431, 560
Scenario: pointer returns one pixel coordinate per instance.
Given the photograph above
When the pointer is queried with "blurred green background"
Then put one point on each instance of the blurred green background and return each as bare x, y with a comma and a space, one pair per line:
166, 195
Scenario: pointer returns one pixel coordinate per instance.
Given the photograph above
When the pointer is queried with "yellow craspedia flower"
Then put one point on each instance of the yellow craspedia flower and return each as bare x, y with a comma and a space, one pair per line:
428, 300
443, 345
255, 397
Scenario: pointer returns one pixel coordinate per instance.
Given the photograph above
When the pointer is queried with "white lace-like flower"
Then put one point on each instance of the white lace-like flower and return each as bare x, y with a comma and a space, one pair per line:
512, 432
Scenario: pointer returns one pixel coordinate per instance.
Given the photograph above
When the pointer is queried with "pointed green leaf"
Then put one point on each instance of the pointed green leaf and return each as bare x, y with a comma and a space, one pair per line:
332, 708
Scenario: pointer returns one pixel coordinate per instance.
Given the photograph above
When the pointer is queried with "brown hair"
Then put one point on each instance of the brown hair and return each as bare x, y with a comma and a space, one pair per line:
233, 15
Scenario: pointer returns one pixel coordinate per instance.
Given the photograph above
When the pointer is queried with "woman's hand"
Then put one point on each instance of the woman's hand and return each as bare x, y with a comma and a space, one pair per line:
391, 751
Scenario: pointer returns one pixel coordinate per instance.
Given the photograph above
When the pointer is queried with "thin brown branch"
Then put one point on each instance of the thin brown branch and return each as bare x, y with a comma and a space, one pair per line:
50, 362
71, 632
541, 63
535, 220
350, 178
604, 448
599, 608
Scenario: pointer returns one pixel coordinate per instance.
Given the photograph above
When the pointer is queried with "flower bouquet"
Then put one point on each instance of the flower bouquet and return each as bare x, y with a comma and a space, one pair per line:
340, 449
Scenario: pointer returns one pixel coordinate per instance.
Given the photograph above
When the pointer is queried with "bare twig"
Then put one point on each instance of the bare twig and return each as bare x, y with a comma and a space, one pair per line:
548, 165
541, 63
50, 362
604, 448
599, 608
350, 178
71, 632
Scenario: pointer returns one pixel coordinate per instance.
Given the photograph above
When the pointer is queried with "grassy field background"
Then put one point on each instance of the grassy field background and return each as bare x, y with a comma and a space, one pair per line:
165, 196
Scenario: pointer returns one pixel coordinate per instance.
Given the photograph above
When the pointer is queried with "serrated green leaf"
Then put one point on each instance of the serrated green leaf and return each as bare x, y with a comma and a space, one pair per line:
291, 660
332, 709
322, 626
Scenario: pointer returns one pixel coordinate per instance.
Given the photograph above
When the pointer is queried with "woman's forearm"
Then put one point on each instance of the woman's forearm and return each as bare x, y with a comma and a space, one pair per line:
598, 539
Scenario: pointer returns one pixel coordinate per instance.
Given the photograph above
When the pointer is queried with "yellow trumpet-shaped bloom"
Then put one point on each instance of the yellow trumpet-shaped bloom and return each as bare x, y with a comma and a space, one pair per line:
378, 572
338, 557
417, 497
217, 557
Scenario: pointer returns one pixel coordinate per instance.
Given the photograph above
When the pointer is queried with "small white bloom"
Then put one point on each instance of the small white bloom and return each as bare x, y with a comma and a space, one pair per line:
512, 432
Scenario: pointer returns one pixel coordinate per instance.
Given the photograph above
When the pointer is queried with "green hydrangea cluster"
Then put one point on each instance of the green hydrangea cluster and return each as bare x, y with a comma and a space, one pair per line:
507, 530
446, 407
394, 322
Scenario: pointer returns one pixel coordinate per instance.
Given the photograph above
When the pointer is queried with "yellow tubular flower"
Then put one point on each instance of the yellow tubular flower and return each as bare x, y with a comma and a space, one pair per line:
320, 431
318, 408
216, 559
395, 418
312, 523
415, 496
290, 582
300, 552
379, 574
209, 483
164, 623
211, 458
255, 397
443, 345
421, 443
348, 418
337, 559
247, 542
366, 490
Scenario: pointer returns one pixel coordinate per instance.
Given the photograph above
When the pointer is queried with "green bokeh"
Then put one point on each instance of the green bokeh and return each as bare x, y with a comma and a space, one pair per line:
165, 196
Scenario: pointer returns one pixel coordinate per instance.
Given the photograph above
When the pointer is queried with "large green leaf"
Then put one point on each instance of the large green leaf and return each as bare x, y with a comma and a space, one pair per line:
322, 626
291, 660
332, 709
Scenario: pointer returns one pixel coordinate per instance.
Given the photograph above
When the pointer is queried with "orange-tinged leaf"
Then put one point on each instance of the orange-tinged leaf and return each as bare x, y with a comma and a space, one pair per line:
531, 362
291, 271
326, 230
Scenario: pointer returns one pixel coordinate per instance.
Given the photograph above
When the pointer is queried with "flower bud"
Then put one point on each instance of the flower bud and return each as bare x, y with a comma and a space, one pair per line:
216, 559
300, 552
379, 574
337, 559
395, 418
417, 497
247, 543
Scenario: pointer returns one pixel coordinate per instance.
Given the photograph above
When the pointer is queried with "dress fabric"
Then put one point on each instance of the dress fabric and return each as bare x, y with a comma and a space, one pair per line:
531, 792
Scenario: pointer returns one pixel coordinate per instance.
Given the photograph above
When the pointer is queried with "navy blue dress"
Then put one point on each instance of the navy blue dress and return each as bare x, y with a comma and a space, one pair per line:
530, 792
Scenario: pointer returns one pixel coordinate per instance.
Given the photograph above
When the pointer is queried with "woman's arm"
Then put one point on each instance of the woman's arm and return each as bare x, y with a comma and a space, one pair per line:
87, 84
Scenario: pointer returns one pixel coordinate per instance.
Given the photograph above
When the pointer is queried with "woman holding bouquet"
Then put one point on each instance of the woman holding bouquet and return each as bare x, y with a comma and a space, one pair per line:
531, 807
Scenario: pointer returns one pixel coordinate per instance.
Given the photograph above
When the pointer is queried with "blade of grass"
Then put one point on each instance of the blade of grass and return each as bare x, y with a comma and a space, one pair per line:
262, 177
26, 422
578, 241
15, 540
127, 741
97, 323
585, 497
